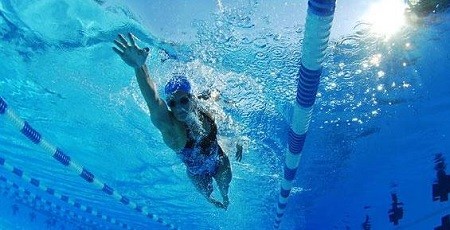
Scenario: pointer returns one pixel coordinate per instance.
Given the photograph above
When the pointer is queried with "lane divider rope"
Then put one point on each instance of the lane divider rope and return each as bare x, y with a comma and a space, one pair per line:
317, 32
58, 154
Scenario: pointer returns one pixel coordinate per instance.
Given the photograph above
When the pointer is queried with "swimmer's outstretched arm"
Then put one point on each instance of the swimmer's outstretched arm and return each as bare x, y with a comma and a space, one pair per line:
135, 57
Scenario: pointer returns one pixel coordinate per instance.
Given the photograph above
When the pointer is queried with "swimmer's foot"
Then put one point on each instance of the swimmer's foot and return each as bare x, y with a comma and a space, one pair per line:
226, 202
216, 203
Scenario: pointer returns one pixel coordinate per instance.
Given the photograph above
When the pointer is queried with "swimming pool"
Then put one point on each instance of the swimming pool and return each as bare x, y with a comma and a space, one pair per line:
379, 119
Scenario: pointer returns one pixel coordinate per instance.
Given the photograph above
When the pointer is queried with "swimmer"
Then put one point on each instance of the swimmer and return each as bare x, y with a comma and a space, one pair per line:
185, 127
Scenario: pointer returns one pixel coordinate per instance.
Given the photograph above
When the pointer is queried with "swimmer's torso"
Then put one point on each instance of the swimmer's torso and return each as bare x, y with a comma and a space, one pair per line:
201, 151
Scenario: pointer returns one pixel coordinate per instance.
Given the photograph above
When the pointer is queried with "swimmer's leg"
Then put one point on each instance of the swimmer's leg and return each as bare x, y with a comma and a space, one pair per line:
203, 183
223, 178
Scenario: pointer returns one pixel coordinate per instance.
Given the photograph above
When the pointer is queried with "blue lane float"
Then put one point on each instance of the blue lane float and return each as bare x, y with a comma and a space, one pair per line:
66, 199
35, 137
317, 32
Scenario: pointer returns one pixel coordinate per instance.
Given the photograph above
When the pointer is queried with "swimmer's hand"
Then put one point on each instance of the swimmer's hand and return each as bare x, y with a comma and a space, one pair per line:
130, 52
213, 94
238, 152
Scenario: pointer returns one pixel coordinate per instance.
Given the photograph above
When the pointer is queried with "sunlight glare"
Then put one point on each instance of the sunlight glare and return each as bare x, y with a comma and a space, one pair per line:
375, 60
386, 17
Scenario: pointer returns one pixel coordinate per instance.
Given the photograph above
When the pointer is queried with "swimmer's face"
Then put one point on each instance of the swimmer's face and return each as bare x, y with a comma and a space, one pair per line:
180, 103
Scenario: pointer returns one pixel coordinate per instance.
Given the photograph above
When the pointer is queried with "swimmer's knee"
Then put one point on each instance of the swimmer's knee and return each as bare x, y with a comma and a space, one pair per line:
206, 190
203, 185
223, 182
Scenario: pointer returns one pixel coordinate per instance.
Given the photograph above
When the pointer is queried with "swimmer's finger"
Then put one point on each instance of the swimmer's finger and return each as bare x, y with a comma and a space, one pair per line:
120, 45
122, 40
239, 152
132, 39
120, 53
145, 51
239, 156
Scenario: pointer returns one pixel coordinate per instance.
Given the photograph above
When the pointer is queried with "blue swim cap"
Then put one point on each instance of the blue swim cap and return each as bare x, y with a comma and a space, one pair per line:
177, 83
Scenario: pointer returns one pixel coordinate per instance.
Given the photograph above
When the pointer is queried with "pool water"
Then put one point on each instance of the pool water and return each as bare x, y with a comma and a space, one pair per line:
378, 122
